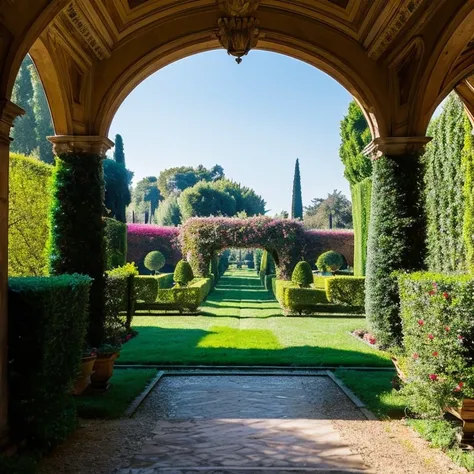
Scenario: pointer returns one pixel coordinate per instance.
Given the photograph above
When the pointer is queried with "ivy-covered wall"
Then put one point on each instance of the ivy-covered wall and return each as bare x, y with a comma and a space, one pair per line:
445, 193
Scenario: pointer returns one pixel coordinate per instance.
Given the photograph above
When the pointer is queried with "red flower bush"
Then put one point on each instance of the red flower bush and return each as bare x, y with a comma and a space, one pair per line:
433, 377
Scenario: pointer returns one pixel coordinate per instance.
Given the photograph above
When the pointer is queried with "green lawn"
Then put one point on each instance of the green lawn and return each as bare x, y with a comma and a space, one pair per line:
125, 386
242, 324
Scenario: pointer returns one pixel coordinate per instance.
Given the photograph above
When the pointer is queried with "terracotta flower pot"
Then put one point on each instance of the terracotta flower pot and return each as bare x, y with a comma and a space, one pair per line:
83, 379
103, 370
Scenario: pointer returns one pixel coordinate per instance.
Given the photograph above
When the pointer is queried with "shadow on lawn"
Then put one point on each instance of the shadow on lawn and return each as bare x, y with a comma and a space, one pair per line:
231, 346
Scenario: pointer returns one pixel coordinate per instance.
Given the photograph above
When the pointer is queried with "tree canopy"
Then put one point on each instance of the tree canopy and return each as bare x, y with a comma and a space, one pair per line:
317, 215
297, 199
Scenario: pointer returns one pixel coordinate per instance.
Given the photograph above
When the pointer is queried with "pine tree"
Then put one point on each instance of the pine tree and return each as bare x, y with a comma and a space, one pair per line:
24, 130
44, 123
119, 154
297, 202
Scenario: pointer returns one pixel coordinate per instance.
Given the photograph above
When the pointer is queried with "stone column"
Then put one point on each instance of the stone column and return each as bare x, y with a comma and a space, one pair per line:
77, 235
8, 112
397, 231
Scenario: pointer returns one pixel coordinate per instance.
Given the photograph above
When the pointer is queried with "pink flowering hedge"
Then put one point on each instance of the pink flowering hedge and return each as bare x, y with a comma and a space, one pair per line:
438, 340
202, 237
320, 241
142, 239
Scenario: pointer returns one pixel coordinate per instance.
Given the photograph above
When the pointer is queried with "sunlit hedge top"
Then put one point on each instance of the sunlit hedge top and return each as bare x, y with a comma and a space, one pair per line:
201, 237
321, 240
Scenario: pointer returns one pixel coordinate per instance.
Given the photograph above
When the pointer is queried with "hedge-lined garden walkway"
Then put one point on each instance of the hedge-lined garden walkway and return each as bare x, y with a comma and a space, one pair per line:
242, 324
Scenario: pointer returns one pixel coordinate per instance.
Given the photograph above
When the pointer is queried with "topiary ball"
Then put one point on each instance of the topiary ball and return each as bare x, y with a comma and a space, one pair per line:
330, 261
302, 275
155, 261
183, 273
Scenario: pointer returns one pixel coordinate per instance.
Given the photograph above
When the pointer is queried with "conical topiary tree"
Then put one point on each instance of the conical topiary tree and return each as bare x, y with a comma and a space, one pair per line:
183, 273
297, 201
155, 261
302, 275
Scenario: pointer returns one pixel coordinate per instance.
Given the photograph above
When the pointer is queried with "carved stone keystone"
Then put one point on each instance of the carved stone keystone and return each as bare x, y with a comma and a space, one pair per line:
238, 35
239, 8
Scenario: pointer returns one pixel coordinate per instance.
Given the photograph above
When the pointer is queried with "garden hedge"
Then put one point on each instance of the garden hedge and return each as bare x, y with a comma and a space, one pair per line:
144, 238
187, 298
298, 300
77, 237
468, 168
28, 214
302, 275
438, 340
344, 290
115, 243
268, 281
120, 298
48, 319
361, 202
147, 286
396, 240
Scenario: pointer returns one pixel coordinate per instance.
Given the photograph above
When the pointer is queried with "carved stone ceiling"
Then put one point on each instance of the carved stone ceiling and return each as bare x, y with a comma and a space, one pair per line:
103, 23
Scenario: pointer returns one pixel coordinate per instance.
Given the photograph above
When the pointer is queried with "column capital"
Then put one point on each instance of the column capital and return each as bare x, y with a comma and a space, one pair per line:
395, 146
80, 144
8, 113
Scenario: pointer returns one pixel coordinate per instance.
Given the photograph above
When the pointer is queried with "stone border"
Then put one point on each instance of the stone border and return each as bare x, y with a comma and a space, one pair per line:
141, 398
359, 404
250, 369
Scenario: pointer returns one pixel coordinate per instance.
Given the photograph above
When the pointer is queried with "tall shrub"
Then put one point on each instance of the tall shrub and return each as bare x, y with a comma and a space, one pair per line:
297, 199
28, 225
115, 243
444, 182
77, 237
468, 192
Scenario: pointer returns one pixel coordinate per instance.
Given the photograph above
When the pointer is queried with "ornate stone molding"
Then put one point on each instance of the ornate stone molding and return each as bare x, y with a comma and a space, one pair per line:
8, 113
238, 35
395, 146
80, 144
239, 8
78, 20
396, 23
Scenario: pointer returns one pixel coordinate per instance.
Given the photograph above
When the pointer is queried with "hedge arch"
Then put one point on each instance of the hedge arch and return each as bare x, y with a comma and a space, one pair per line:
201, 238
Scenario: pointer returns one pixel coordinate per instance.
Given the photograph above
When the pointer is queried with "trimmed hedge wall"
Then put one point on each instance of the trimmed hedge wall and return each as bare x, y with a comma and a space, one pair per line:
77, 243
319, 241
144, 238
28, 212
187, 298
147, 286
361, 200
438, 340
348, 291
115, 243
268, 281
468, 168
396, 240
48, 320
298, 300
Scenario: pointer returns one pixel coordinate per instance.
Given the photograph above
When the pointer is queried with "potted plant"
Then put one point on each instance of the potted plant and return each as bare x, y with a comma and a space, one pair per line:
86, 369
104, 365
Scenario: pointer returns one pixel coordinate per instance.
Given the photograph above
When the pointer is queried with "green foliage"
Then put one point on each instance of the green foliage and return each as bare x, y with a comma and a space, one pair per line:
396, 240
204, 200
336, 210
168, 213
344, 290
119, 153
187, 298
444, 182
267, 266
147, 286
120, 297
47, 326
175, 180
257, 259
183, 273
468, 193
28, 227
247, 202
298, 300
355, 136
330, 261
155, 261
146, 196
117, 192
24, 130
115, 243
78, 190
361, 202
269, 281
302, 275
297, 199
438, 336
44, 123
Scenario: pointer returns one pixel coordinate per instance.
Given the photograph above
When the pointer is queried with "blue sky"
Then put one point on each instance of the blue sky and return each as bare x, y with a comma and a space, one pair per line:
254, 119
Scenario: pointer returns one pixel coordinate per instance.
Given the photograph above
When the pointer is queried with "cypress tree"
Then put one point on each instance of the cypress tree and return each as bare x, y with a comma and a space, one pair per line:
119, 154
297, 201
24, 130
44, 123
